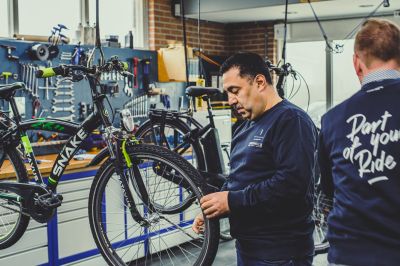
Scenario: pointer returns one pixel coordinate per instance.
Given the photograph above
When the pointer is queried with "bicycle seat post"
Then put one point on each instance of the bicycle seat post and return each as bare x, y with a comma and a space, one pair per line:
209, 110
14, 108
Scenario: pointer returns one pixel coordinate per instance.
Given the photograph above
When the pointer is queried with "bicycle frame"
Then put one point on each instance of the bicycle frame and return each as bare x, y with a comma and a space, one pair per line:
78, 132
208, 136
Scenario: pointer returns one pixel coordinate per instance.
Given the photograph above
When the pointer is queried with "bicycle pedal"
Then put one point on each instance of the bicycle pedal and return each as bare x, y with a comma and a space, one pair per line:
50, 200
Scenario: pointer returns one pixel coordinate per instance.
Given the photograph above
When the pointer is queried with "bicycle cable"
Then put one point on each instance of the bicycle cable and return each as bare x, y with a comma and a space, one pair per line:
340, 47
183, 19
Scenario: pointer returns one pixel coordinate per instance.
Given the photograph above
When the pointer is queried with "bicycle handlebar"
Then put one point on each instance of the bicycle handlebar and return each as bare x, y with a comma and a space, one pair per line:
67, 70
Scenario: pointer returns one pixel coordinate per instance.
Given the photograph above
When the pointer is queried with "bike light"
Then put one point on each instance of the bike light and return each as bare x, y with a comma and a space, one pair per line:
127, 120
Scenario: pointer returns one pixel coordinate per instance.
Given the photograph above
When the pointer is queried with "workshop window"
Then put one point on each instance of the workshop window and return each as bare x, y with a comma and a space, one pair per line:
3, 18
38, 17
127, 15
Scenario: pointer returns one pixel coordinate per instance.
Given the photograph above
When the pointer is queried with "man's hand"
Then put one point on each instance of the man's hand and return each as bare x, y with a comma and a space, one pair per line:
215, 204
198, 224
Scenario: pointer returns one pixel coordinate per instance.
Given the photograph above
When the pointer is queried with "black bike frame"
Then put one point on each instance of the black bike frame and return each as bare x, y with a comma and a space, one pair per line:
208, 136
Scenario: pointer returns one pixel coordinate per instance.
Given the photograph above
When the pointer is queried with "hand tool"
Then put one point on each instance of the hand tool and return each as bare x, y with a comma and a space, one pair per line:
57, 101
55, 109
10, 49
59, 93
127, 90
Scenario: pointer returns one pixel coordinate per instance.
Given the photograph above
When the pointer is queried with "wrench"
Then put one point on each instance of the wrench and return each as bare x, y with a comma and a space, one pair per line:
58, 93
68, 87
68, 117
62, 79
56, 101
127, 90
35, 82
55, 109
29, 76
23, 73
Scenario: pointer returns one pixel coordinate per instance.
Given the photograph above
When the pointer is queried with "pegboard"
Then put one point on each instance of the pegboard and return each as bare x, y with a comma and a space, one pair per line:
81, 90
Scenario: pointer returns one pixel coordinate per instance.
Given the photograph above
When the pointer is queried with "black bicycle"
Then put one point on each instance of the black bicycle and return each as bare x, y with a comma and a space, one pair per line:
134, 198
180, 132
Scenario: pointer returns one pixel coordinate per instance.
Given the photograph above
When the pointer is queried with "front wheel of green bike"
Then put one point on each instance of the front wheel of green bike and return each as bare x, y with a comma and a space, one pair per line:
167, 238
12, 222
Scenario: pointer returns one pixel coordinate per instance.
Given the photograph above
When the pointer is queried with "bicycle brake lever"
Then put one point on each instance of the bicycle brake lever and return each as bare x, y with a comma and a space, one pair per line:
126, 74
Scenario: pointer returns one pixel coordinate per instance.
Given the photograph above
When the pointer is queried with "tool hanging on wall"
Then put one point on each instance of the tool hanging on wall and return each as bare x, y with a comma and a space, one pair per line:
145, 74
138, 106
5, 75
79, 56
127, 89
66, 56
55, 38
35, 106
39, 51
135, 73
10, 49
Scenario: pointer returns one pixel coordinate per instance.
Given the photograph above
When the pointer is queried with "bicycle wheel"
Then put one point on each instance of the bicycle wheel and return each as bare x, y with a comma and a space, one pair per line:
169, 240
12, 222
150, 132
322, 207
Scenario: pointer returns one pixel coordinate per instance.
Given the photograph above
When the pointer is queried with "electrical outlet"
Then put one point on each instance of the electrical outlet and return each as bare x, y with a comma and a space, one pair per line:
396, 13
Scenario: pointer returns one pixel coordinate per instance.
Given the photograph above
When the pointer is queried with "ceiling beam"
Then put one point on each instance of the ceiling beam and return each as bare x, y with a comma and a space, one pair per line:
213, 6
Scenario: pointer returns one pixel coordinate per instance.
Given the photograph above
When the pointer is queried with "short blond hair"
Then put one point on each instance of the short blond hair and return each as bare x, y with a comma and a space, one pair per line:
378, 39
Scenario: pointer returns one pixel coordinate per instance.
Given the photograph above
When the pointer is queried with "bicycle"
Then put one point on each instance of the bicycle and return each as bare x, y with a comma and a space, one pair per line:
134, 197
199, 145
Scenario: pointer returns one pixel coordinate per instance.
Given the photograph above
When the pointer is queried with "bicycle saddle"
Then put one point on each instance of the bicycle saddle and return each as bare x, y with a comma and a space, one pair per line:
7, 90
200, 91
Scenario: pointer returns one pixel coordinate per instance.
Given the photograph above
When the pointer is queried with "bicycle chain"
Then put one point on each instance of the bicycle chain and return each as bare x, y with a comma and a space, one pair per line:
24, 213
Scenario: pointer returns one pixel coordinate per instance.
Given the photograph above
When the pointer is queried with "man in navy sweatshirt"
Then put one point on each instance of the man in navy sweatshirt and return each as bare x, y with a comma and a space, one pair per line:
269, 192
359, 155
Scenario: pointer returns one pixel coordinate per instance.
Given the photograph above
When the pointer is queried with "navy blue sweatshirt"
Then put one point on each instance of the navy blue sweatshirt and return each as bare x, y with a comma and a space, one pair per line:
359, 156
271, 184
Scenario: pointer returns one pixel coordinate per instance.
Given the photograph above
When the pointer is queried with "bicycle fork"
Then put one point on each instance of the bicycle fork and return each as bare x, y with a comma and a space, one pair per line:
137, 183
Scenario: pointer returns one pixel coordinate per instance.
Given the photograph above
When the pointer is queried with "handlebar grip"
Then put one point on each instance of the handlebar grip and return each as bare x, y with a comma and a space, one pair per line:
49, 72
125, 66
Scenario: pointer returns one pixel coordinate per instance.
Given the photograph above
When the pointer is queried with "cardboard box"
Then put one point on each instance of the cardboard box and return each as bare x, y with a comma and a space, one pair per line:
171, 66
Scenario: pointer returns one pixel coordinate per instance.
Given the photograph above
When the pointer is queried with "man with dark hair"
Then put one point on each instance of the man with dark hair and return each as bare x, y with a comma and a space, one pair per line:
359, 155
269, 192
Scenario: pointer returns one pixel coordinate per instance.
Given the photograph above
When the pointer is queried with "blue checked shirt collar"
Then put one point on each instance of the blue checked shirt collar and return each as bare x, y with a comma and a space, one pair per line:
380, 75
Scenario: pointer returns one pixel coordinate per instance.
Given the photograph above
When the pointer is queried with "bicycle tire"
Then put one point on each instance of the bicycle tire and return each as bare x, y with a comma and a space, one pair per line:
322, 207
146, 128
13, 224
114, 229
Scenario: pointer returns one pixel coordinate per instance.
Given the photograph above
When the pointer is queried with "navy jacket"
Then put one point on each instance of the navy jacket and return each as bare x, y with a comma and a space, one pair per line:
360, 165
271, 184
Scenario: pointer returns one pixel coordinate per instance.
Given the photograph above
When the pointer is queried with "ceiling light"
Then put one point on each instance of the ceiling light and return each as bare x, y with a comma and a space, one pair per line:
362, 6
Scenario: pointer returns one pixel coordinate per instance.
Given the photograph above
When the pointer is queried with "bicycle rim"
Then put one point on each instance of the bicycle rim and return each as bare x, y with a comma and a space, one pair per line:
12, 222
168, 241
322, 207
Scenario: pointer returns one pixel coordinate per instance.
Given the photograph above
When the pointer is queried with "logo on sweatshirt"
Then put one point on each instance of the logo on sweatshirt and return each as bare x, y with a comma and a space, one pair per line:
257, 140
373, 160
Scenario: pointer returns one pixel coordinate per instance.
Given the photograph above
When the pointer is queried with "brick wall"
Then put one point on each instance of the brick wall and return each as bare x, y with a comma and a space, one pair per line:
257, 37
164, 28
216, 38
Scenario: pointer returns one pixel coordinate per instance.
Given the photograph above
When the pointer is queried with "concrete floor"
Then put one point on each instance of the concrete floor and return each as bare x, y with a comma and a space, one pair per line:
226, 256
